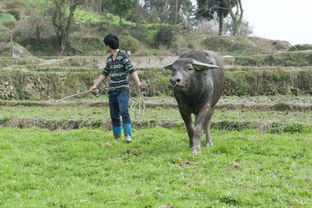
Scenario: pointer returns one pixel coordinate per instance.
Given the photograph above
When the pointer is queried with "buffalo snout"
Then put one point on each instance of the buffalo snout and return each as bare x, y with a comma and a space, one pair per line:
174, 81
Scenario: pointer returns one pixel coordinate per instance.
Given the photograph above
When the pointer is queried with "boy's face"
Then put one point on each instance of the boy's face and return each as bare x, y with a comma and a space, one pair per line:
108, 48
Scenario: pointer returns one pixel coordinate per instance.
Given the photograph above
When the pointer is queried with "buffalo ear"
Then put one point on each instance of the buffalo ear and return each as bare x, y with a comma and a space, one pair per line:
169, 67
202, 66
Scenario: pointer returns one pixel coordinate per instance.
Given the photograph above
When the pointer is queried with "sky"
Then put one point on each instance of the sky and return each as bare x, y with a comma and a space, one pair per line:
289, 20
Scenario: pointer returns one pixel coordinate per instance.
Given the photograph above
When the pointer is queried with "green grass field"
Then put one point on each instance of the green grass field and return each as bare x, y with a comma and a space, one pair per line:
87, 168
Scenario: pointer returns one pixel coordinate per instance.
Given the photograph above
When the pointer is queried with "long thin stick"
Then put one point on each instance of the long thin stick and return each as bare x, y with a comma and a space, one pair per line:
71, 96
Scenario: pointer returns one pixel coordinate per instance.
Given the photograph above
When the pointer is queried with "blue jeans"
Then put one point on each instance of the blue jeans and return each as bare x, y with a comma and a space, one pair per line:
118, 106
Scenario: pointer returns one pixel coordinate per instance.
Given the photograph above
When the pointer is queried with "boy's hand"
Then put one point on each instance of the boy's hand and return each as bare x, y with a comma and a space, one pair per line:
97, 83
93, 88
142, 86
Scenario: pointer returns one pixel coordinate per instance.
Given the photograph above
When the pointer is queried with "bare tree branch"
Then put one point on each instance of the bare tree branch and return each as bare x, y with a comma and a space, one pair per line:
238, 16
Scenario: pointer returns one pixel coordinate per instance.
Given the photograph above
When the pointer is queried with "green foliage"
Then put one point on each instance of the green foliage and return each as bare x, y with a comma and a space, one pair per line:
276, 76
267, 82
88, 168
6, 18
139, 32
237, 83
290, 128
93, 17
300, 47
129, 43
41, 5
164, 11
153, 30
164, 37
211, 9
46, 46
88, 45
124, 7
281, 107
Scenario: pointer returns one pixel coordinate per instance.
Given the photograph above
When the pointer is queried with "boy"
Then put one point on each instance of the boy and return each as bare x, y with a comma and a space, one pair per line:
119, 67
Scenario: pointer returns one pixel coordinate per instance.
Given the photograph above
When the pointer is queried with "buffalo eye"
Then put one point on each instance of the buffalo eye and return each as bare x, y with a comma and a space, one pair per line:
190, 68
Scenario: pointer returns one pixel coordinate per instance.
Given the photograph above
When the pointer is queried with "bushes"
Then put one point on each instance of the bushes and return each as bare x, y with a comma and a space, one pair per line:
88, 45
165, 37
79, 46
140, 32
299, 47
5, 18
44, 47
129, 43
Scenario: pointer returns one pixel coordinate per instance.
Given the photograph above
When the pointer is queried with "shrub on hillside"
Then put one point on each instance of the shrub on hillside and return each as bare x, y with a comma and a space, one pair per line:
139, 32
165, 37
17, 4
300, 47
129, 43
4, 33
6, 18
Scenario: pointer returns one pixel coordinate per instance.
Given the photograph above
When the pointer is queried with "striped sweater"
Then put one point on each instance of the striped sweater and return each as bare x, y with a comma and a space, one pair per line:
119, 70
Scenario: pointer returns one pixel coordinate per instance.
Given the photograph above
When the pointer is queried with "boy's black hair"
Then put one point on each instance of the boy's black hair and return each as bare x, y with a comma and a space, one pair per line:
112, 41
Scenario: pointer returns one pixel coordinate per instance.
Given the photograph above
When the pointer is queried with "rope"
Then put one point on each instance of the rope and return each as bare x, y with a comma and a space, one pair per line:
71, 96
138, 103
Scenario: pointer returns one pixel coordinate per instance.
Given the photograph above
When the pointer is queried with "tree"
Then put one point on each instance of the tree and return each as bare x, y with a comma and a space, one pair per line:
123, 7
213, 9
245, 28
185, 10
168, 11
220, 9
237, 17
63, 22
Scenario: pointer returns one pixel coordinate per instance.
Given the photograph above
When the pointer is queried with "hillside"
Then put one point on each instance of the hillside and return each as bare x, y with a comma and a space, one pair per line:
24, 19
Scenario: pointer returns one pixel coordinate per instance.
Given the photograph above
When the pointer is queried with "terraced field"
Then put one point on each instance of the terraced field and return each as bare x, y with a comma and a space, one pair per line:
30, 88
262, 130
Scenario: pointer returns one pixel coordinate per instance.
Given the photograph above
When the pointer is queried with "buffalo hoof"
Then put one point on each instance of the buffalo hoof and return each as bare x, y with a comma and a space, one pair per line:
196, 151
209, 144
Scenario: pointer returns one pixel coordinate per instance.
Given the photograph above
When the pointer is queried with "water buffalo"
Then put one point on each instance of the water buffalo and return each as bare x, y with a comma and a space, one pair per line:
197, 82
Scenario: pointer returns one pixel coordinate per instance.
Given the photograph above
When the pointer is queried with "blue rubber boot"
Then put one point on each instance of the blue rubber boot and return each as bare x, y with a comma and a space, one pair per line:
117, 132
127, 132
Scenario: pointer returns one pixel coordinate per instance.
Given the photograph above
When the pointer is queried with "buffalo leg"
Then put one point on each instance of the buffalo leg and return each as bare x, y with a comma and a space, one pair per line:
200, 123
187, 118
208, 136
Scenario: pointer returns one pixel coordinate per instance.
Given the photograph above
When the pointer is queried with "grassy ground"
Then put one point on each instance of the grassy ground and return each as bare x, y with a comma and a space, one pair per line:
170, 114
87, 168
